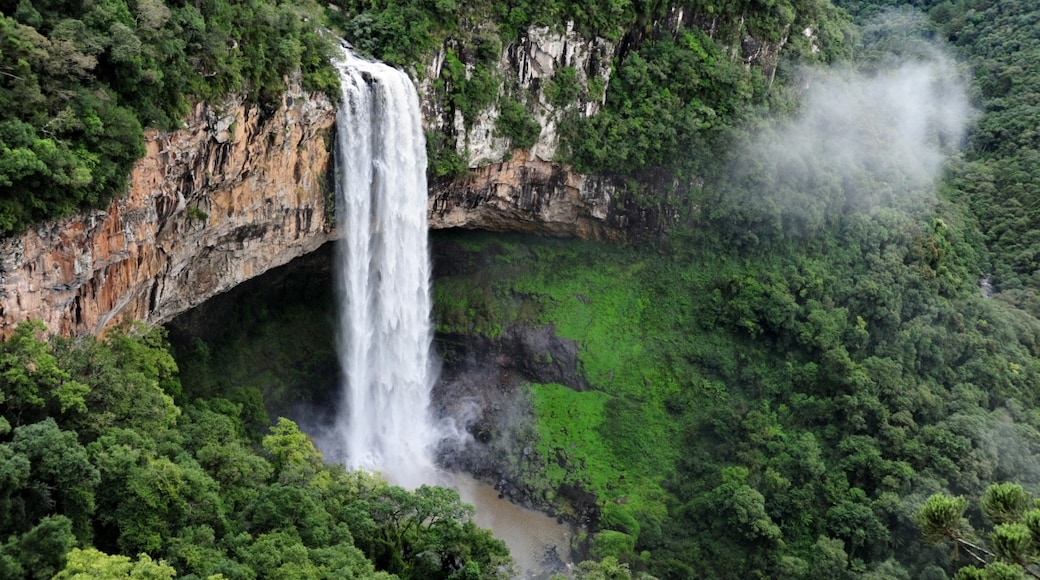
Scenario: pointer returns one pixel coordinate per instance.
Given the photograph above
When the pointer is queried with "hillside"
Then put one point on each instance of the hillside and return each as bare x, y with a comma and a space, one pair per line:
832, 336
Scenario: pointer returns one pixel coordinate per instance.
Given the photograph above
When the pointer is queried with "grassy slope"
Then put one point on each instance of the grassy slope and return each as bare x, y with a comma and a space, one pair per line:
624, 308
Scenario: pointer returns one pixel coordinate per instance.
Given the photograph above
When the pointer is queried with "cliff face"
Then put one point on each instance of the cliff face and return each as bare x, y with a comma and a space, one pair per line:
527, 195
241, 190
236, 192
525, 190
528, 190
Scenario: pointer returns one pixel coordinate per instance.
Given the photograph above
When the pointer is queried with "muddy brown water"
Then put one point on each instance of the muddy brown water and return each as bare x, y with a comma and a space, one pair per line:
539, 545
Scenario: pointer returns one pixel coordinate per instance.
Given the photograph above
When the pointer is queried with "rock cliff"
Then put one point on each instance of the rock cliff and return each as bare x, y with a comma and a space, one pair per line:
242, 189
234, 193
527, 195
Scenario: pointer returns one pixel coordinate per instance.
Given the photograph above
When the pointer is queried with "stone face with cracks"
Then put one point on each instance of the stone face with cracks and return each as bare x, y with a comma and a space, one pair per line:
526, 195
236, 192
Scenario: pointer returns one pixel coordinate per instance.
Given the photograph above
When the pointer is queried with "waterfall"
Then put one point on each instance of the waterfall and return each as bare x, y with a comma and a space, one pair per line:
383, 421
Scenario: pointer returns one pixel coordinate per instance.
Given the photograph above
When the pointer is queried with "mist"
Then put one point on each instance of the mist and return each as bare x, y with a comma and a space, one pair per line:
866, 136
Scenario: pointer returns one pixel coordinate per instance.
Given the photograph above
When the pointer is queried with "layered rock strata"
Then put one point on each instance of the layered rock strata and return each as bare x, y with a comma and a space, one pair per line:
237, 191
527, 195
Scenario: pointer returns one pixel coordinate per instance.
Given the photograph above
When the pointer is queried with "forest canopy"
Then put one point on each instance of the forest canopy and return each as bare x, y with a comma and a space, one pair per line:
102, 460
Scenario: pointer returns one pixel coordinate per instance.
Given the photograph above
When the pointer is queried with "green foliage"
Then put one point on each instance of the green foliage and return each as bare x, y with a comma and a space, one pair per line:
258, 356
185, 489
291, 450
34, 386
675, 100
769, 393
1008, 550
941, 518
517, 123
443, 158
563, 88
39, 552
608, 568
788, 396
130, 380
1005, 502
398, 33
613, 544
404, 33
569, 449
662, 104
997, 175
672, 98
81, 79
48, 472
95, 565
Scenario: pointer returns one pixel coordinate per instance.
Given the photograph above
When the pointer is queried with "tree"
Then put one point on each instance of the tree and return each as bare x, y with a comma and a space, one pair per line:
1009, 550
428, 533
293, 455
91, 564
39, 552
33, 384
606, 569
61, 478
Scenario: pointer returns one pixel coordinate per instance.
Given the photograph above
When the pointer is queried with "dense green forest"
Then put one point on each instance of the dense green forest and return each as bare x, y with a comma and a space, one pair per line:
102, 456
831, 339
829, 369
779, 388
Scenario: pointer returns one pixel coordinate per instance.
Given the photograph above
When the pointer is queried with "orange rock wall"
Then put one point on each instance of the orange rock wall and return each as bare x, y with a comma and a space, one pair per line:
236, 192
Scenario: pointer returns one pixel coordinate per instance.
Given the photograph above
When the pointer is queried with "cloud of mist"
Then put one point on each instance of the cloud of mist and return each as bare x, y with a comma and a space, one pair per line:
897, 123
866, 136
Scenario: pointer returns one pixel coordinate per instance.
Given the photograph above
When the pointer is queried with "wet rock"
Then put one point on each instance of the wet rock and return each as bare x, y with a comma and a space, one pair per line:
522, 353
528, 195
552, 563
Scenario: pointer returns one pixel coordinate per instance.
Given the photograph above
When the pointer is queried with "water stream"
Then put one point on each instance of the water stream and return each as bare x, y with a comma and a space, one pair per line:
537, 542
383, 421
383, 277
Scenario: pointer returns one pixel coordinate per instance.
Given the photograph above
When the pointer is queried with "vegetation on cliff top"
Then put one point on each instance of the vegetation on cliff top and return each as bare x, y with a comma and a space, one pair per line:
79, 80
676, 90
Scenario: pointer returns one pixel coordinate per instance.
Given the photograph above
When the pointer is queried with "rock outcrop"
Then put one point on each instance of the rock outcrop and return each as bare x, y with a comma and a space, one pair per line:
527, 190
528, 65
526, 195
236, 192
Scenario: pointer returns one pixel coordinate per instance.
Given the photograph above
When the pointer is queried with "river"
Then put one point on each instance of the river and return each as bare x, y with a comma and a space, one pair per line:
539, 545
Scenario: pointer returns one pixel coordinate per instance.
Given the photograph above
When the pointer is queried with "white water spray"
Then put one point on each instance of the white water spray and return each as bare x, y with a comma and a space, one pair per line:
383, 423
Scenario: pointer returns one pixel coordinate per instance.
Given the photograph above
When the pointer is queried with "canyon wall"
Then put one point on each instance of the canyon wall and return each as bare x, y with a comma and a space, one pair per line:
237, 191
242, 189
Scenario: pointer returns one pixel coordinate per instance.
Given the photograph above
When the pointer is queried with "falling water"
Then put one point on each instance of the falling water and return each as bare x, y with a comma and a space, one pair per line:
383, 422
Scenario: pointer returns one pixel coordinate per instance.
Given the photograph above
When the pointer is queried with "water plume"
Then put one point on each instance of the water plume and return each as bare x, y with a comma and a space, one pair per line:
383, 277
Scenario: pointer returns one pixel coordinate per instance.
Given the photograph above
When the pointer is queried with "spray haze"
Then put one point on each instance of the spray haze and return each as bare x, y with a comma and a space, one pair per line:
898, 123
867, 137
